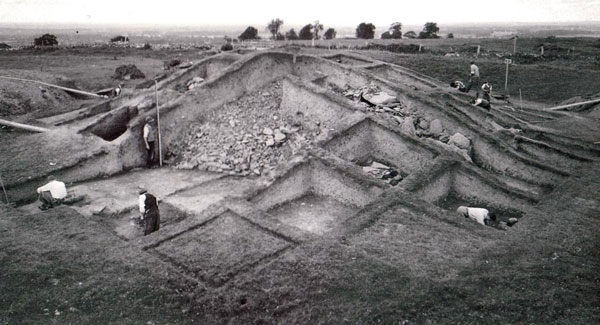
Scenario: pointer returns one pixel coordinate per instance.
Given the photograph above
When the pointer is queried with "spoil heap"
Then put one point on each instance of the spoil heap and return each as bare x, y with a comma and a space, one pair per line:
247, 136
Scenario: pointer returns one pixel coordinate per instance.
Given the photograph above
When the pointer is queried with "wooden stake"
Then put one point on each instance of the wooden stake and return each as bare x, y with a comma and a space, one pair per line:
4, 189
158, 123
478, 49
506, 80
520, 99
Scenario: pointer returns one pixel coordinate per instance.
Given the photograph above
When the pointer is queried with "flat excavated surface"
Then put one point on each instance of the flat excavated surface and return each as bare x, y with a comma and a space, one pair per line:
315, 214
221, 248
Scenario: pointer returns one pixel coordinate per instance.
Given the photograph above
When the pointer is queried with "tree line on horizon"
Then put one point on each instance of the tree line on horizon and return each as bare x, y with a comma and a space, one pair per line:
363, 31
307, 32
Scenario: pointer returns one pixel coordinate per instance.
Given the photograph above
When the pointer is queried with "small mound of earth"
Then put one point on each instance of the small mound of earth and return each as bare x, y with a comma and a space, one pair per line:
128, 71
248, 136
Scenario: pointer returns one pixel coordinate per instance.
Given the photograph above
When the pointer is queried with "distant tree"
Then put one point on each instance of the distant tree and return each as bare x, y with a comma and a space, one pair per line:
274, 26
394, 32
430, 30
291, 35
317, 27
410, 34
306, 32
46, 40
279, 37
249, 33
119, 38
365, 31
147, 46
450, 35
330, 33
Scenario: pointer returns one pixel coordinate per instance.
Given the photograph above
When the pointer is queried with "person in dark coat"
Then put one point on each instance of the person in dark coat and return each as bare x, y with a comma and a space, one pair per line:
149, 214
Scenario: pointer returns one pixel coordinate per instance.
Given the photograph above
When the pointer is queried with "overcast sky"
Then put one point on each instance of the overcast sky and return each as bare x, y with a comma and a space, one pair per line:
300, 12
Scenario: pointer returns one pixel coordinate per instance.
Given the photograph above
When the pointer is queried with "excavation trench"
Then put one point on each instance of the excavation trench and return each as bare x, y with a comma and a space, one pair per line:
316, 197
450, 184
367, 141
112, 125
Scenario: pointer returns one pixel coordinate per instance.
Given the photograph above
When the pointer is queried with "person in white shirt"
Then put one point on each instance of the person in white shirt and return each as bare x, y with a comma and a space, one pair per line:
149, 135
52, 194
481, 215
149, 215
473, 77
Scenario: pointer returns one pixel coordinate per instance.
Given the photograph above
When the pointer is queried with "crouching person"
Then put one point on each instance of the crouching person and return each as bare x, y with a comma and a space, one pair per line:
149, 215
52, 194
481, 215
458, 85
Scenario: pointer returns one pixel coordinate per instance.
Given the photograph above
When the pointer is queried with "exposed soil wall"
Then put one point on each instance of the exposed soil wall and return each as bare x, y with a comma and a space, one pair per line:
294, 184
327, 181
367, 140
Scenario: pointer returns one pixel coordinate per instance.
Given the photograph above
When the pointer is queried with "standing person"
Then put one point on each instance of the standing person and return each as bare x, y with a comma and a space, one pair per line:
473, 77
482, 216
149, 215
52, 194
149, 135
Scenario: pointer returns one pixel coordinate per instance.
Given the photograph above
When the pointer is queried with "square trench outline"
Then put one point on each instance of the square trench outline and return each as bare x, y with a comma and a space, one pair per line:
230, 271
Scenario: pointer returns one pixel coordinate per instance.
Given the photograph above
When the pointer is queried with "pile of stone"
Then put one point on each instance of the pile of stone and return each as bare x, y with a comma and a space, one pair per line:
383, 172
248, 136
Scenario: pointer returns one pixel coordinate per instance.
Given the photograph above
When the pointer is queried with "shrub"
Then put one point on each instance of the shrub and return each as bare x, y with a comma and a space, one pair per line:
227, 47
46, 40
119, 38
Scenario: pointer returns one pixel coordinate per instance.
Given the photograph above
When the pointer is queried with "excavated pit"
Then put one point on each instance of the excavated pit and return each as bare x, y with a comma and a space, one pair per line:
316, 197
368, 141
112, 125
450, 184
125, 225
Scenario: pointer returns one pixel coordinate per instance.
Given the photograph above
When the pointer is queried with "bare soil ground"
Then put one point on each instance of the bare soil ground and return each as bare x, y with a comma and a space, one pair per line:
220, 259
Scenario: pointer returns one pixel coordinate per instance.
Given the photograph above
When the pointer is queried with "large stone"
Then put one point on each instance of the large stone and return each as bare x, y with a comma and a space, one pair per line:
436, 128
279, 136
408, 125
382, 98
270, 142
460, 141
268, 131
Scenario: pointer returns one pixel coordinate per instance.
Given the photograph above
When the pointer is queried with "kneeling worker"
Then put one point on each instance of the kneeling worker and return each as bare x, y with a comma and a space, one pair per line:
52, 194
482, 216
149, 215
